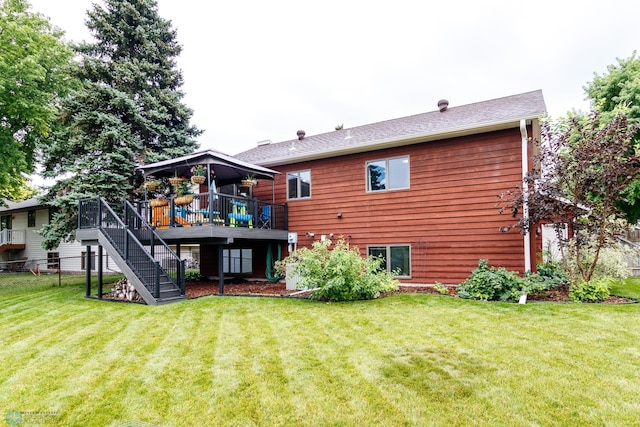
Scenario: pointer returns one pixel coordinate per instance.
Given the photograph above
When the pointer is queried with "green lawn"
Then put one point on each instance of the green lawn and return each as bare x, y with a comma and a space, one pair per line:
243, 361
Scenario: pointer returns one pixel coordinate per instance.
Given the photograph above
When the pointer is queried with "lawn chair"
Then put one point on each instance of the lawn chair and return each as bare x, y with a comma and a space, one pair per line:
18, 265
264, 219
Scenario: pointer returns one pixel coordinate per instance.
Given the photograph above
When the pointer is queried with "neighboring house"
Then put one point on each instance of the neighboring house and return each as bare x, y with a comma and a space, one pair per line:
19, 240
420, 191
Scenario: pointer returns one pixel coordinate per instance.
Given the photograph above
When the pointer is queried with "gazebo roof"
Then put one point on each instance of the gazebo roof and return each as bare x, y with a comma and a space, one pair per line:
227, 169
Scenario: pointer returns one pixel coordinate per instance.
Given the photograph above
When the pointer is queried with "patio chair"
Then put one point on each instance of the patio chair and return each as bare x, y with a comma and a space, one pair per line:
264, 219
18, 265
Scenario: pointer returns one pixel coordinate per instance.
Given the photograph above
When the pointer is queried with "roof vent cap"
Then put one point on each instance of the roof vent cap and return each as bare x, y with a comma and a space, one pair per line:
265, 142
443, 104
301, 134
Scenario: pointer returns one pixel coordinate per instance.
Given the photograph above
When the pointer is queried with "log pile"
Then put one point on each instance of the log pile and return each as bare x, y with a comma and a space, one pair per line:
126, 291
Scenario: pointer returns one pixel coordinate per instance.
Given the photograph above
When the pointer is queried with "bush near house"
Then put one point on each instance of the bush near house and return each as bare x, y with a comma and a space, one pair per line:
497, 284
339, 274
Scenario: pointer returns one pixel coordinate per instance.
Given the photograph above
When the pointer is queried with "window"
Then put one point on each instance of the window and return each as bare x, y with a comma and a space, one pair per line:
395, 258
238, 261
299, 184
83, 261
31, 218
388, 174
53, 260
5, 222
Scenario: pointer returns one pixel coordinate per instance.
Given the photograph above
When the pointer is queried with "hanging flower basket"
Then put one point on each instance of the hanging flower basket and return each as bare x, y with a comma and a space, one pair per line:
151, 185
156, 203
197, 179
176, 180
248, 182
183, 200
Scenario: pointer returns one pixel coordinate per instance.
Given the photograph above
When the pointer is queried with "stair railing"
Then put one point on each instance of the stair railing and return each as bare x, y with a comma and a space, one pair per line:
136, 242
156, 247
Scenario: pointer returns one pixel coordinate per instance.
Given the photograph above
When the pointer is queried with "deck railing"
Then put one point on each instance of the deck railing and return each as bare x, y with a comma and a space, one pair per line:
13, 237
215, 209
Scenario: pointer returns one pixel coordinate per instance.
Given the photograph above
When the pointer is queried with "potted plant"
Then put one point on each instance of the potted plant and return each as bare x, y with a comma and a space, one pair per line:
151, 184
184, 196
248, 181
176, 180
198, 174
160, 200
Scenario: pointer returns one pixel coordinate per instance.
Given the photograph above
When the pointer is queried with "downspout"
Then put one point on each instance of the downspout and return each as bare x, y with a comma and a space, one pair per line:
525, 192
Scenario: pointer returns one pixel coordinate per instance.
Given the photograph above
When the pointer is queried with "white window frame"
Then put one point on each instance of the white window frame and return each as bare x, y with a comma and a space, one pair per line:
387, 180
298, 184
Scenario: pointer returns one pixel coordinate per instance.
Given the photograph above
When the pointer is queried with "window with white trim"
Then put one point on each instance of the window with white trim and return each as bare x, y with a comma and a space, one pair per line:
396, 258
388, 174
299, 185
237, 260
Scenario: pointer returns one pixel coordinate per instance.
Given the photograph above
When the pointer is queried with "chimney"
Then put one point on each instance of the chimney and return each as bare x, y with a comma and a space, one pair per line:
301, 134
443, 104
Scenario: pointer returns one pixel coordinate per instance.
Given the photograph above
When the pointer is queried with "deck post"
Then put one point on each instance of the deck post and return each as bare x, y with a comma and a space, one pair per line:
100, 271
221, 269
87, 265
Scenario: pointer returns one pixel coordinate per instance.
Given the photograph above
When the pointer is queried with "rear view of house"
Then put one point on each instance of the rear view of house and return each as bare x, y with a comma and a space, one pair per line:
421, 191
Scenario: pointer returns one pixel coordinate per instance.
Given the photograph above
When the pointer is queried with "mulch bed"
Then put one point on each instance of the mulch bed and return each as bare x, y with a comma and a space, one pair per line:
264, 288
199, 289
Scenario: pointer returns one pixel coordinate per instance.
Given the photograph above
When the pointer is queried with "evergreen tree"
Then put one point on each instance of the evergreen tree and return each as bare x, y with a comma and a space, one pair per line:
127, 112
33, 76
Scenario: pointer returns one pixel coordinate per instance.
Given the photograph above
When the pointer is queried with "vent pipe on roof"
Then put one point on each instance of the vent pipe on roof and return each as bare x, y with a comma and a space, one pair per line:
301, 134
443, 104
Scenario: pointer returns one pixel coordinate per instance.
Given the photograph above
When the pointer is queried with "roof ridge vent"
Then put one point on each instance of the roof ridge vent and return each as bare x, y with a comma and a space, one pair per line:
443, 104
265, 142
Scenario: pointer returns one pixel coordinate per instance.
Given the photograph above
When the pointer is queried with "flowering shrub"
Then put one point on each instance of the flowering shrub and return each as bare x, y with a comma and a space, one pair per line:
339, 274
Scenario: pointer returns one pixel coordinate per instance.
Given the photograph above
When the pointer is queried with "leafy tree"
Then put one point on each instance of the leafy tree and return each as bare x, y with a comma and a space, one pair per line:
128, 111
585, 165
618, 92
33, 76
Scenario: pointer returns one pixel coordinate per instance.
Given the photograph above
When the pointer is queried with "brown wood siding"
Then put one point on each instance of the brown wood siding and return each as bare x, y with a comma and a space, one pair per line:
448, 215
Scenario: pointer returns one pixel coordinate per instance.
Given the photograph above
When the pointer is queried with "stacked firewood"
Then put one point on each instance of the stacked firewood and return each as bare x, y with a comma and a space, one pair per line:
123, 289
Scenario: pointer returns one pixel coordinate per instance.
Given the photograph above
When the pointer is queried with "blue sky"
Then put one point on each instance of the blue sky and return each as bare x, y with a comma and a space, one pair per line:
258, 70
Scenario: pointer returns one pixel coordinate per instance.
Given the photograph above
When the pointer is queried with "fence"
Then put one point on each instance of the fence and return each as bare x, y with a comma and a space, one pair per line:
53, 271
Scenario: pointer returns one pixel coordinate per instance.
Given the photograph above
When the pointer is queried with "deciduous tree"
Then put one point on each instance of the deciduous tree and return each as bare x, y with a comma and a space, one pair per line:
585, 166
34, 63
618, 92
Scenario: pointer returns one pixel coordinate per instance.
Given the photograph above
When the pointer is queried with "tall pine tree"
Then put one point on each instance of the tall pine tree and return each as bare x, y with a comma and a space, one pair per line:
128, 111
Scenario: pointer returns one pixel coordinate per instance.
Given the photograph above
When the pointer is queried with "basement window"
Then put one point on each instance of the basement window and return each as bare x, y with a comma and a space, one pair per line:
396, 258
238, 261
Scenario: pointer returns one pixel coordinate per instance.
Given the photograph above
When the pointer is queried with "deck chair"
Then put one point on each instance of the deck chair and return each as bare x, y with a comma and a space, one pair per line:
239, 215
264, 219
18, 265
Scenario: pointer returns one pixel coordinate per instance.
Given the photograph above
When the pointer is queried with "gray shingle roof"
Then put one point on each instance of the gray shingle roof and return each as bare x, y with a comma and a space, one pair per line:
467, 119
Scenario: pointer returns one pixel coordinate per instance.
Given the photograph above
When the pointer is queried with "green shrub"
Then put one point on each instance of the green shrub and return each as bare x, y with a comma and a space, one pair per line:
193, 276
595, 290
491, 284
339, 274
612, 260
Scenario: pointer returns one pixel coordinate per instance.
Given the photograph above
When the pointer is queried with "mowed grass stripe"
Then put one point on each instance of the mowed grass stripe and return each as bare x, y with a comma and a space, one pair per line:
402, 360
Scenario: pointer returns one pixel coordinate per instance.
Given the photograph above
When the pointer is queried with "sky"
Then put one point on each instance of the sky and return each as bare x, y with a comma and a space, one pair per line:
260, 70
